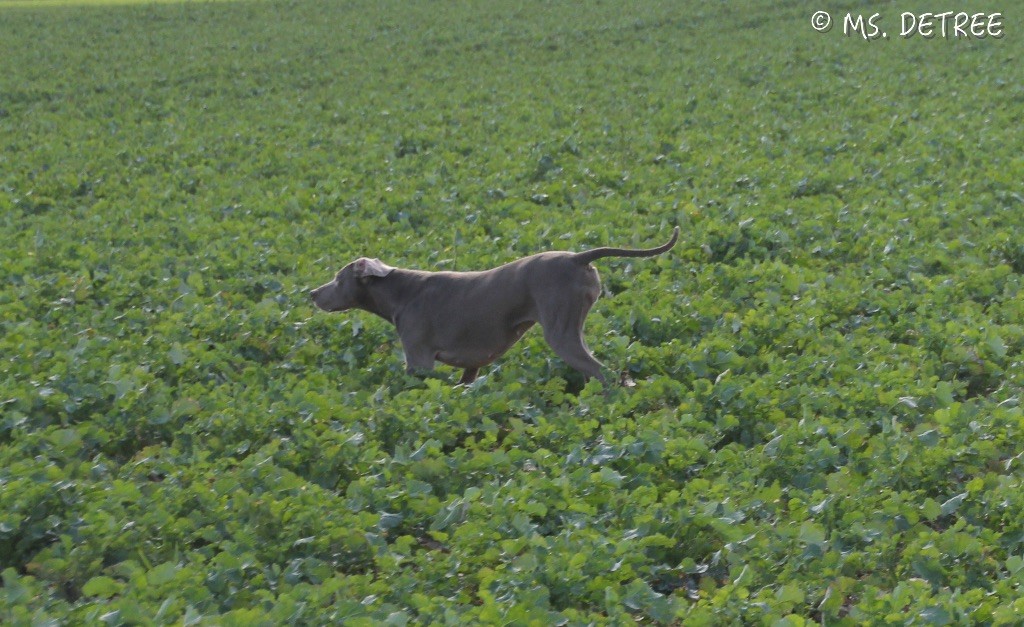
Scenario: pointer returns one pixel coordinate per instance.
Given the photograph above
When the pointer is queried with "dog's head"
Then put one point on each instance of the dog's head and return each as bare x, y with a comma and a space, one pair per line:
348, 289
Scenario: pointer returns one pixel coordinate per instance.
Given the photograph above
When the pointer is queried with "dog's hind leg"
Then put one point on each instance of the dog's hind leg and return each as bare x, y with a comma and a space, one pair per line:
563, 331
573, 350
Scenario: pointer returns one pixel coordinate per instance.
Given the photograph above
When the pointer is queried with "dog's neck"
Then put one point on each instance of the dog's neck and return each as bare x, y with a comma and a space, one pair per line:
386, 295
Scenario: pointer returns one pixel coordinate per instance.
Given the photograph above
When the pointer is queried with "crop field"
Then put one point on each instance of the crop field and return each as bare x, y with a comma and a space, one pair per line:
817, 412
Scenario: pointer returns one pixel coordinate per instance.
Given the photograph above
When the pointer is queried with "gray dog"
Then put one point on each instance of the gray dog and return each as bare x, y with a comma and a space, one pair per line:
469, 319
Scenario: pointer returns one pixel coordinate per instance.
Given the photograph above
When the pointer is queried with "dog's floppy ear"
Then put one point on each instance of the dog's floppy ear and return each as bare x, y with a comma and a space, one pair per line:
365, 267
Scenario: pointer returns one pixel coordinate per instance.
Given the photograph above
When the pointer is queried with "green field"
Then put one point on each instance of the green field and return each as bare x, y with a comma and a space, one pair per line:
824, 424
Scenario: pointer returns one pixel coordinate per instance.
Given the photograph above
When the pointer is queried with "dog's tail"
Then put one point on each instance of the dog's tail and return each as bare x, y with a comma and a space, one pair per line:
590, 255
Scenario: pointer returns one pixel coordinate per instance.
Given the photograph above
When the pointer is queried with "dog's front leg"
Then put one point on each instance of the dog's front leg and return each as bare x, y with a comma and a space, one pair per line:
468, 376
417, 360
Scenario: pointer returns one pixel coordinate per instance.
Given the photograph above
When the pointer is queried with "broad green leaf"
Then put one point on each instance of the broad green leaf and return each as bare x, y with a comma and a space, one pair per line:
389, 521
790, 593
953, 504
103, 587
185, 407
176, 354
929, 438
163, 573
935, 615
930, 509
996, 345
944, 393
811, 533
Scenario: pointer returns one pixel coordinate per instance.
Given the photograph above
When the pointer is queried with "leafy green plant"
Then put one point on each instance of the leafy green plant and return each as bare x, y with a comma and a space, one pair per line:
819, 420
